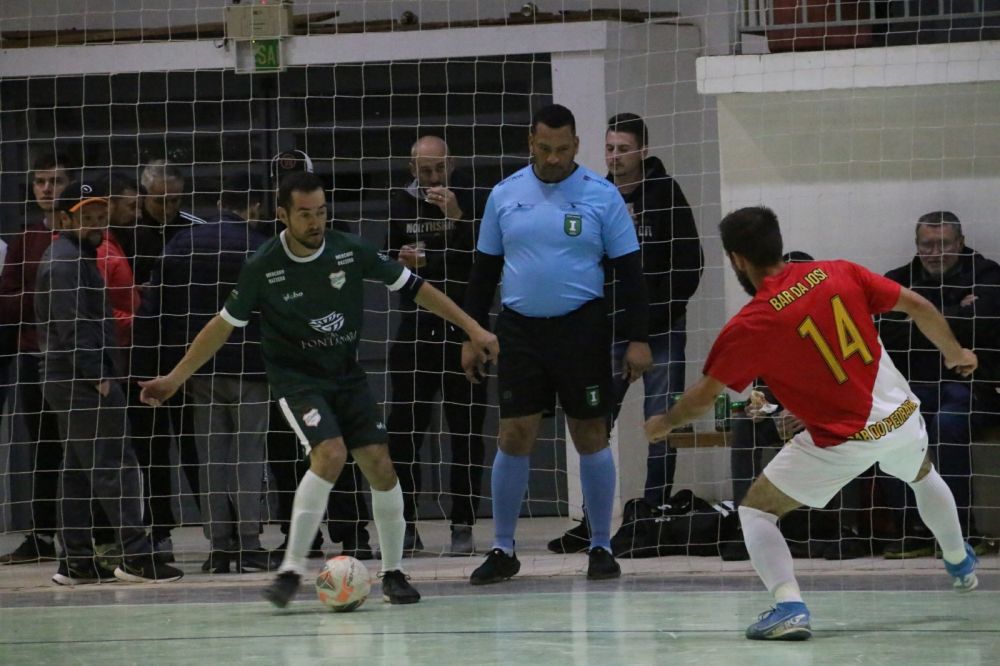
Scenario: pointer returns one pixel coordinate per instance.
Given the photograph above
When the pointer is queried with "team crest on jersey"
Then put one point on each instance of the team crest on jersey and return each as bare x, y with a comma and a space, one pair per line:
338, 279
328, 324
573, 224
312, 418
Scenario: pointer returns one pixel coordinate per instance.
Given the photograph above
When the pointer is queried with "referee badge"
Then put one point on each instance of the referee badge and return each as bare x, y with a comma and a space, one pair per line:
573, 224
593, 396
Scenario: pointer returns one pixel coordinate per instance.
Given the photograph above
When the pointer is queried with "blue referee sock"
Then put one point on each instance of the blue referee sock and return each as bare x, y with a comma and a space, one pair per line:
510, 481
597, 476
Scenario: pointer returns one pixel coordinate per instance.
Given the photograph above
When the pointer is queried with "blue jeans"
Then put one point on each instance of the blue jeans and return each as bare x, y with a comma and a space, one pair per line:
946, 408
664, 377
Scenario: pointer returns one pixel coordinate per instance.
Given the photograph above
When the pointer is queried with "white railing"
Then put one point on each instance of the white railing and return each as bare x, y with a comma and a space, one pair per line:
757, 16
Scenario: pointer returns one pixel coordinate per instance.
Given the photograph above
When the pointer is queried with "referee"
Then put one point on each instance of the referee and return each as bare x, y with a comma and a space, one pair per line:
546, 229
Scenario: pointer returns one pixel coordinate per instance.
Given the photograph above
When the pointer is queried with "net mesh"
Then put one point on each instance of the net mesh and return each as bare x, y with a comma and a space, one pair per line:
865, 161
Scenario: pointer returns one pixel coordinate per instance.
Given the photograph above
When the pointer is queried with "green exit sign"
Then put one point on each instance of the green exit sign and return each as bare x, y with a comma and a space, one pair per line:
267, 55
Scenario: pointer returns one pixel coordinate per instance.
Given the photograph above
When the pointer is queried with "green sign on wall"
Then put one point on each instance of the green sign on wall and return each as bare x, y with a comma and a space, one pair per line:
267, 55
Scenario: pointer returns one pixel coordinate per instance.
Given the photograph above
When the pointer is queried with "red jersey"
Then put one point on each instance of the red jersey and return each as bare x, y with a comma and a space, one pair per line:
809, 334
122, 292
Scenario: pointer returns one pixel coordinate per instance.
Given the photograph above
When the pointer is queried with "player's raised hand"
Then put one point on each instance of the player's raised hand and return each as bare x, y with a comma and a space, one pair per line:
156, 391
964, 364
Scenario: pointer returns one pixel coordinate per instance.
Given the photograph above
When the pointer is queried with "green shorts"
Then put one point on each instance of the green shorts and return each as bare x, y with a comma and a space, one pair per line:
320, 412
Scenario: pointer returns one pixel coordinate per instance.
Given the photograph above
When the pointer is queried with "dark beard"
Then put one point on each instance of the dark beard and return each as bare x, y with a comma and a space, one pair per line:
745, 283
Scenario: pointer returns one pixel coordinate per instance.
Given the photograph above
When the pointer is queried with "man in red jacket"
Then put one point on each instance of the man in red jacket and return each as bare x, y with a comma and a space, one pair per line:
36, 450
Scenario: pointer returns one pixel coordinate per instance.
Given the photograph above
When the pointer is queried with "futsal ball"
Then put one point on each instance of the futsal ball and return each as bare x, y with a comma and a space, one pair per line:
343, 584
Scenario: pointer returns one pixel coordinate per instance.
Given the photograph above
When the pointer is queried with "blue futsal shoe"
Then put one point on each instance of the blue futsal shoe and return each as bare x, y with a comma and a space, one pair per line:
788, 621
964, 573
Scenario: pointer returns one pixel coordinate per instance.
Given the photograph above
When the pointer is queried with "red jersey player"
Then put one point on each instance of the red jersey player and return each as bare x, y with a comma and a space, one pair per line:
808, 332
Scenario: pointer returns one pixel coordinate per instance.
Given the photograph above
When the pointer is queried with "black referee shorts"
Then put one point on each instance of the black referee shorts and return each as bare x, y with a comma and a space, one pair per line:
542, 358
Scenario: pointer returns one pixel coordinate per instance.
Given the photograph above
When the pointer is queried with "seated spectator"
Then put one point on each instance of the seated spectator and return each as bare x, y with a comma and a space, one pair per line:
965, 286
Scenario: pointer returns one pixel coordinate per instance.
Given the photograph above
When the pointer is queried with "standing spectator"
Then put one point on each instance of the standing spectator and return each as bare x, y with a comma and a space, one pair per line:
547, 228
347, 511
672, 263
432, 231
155, 429
308, 285
113, 259
965, 287
36, 452
229, 394
82, 383
808, 332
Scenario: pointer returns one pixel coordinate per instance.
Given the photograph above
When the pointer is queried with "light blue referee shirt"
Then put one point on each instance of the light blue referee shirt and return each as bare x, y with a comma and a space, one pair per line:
552, 237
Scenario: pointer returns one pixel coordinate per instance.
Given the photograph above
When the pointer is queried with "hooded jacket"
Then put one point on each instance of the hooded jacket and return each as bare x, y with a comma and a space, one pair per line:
672, 258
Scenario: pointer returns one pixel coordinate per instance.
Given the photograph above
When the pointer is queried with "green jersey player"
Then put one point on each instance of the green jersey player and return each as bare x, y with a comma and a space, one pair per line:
307, 285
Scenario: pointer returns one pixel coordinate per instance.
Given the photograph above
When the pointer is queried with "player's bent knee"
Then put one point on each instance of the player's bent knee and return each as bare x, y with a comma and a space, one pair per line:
376, 465
327, 458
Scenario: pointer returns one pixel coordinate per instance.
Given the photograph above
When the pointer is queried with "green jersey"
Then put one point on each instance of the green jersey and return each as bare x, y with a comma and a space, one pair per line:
311, 307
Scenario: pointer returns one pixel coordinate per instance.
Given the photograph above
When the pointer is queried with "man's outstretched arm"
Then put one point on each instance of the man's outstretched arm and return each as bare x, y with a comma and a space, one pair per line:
696, 401
206, 343
933, 325
482, 342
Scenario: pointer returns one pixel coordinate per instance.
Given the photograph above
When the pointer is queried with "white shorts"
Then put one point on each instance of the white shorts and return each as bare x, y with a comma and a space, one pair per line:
813, 475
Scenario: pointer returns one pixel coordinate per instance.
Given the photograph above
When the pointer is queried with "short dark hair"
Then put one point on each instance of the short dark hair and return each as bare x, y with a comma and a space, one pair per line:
300, 181
939, 218
753, 233
51, 160
240, 192
796, 257
554, 116
630, 124
119, 182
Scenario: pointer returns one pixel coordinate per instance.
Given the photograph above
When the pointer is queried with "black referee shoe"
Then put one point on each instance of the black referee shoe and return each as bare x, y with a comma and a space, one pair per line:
283, 588
602, 565
396, 589
498, 567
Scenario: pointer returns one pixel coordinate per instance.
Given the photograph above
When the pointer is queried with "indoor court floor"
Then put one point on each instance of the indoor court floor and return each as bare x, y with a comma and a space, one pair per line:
672, 611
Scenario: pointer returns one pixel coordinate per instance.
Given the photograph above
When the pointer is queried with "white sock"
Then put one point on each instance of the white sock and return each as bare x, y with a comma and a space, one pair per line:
769, 554
937, 509
307, 512
387, 509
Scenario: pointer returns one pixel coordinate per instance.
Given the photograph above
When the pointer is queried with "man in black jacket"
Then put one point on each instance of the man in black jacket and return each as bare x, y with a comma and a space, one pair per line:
672, 263
77, 337
432, 230
965, 286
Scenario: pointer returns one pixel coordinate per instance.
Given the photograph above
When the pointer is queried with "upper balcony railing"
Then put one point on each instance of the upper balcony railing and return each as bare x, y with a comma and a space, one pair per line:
816, 24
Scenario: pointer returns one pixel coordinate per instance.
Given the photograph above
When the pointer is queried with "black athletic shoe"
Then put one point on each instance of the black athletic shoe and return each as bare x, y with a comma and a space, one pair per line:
86, 572
32, 549
283, 588
396, 588
602, 565
218, 562
498, 567
257, 559
146, 569
576, 540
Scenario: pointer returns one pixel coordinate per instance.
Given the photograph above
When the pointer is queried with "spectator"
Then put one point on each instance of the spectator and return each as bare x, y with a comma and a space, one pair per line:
965, 287
36, 449
547, 229
113, 258
432, 231
155, 429
82, 383
672, 263
229, 394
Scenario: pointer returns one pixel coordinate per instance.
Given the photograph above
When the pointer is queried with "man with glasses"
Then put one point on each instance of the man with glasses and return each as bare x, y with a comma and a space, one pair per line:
965, 287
